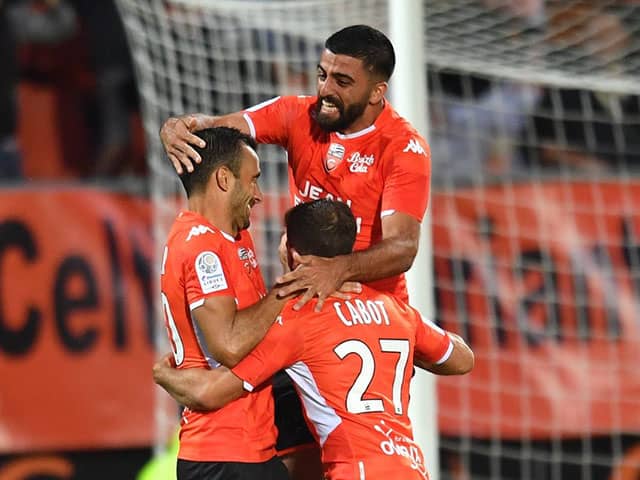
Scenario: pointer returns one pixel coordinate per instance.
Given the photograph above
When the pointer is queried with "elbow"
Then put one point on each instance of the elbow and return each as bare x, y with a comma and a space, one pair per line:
467, 364
409, 252
464, 359
230, 356
204, 398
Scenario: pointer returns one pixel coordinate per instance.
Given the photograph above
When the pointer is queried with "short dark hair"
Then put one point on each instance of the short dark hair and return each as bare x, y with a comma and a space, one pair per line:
367, 44
223, 147
325, 228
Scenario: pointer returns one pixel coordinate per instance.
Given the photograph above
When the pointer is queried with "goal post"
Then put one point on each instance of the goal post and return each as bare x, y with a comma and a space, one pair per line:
409, 97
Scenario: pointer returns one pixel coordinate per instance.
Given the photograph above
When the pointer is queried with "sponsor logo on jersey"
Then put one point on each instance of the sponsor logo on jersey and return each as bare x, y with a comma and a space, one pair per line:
210, 273
198, 230
359, 163
248, 257
334, 157
398, 444
415, 147
314, 192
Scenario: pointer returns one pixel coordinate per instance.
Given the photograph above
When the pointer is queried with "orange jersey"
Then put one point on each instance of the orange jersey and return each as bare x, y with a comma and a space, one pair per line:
380, 170
352, 364
199, 262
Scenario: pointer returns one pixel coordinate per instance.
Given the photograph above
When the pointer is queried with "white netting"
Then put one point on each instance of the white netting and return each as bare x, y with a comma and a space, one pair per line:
535, 136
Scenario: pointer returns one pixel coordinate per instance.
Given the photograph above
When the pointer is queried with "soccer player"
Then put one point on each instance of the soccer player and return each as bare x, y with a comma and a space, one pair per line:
351, 362
217, 308
345, 143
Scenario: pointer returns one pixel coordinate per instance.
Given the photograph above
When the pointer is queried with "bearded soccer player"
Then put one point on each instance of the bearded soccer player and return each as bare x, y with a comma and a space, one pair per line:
345, 143
351, 362
216, 309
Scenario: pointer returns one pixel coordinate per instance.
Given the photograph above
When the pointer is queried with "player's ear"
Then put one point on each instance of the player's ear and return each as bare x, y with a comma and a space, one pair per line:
223, 178
293, 257
378, 92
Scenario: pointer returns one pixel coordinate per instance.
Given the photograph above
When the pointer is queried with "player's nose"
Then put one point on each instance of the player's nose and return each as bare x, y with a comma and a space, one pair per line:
257, 194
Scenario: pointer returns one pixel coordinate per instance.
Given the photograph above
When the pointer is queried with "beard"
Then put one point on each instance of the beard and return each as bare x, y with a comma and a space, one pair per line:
346, 116
241, 213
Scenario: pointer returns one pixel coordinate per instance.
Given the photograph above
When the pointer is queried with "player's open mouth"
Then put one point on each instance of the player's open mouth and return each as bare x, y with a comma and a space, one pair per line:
328, 107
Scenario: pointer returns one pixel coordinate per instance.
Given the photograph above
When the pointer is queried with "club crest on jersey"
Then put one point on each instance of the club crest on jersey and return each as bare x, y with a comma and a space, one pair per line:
335, 155
359, 163
248, 257
210, 273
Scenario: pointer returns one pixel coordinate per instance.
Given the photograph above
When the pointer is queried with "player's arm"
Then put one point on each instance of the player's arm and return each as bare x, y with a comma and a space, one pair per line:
393, 255
198, 388
203, 389
439, 351
230, 334
459, 362
177, 135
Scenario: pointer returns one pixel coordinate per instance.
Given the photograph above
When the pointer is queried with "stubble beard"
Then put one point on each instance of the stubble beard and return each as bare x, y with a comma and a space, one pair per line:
346, 116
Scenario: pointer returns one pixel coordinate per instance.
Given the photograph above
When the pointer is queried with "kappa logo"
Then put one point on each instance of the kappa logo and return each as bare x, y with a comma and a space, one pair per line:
199, 230
334, 157
415, 147
359, 163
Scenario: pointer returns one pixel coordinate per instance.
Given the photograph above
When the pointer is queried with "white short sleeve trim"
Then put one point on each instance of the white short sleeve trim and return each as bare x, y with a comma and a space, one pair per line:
247, 386
386, 213
432, 325
252, 127
447, 354
196, 304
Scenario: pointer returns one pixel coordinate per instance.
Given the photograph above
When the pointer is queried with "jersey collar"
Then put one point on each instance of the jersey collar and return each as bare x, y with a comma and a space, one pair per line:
189, 215
384, 113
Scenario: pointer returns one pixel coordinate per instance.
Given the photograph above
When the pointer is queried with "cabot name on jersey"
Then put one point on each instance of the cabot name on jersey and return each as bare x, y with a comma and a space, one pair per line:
358, 312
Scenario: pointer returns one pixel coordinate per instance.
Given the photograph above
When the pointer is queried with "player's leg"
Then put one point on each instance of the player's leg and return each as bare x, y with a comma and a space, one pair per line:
295, 445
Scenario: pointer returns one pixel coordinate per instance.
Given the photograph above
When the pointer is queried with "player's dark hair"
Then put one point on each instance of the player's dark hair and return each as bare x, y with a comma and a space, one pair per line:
325, 228
367, 44
223, 148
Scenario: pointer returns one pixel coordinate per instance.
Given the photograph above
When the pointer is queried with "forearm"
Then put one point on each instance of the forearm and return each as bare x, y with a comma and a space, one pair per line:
460, 362
248, 327
232, 120
187, 386
389, 257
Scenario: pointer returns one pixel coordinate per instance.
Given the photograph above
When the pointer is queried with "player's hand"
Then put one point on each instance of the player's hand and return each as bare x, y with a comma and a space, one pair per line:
317, 277
167, 361
177, 140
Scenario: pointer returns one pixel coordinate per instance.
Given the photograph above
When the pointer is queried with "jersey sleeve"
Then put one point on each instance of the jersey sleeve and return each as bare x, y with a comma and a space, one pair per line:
432, 343
407, 178
271, 121
280, 348
206, 272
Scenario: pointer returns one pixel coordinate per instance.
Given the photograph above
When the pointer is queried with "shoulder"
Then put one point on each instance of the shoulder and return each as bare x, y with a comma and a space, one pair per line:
195, 240
398, 137
285, 102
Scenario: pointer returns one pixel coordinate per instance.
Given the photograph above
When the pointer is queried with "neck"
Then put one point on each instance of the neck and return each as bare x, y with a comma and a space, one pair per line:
368, 118
215, 210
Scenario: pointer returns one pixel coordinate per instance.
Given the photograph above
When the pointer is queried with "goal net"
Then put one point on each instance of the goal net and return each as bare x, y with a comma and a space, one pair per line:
534, 121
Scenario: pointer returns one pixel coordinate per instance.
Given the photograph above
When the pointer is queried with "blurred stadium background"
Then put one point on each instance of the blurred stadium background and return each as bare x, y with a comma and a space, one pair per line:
533, 116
